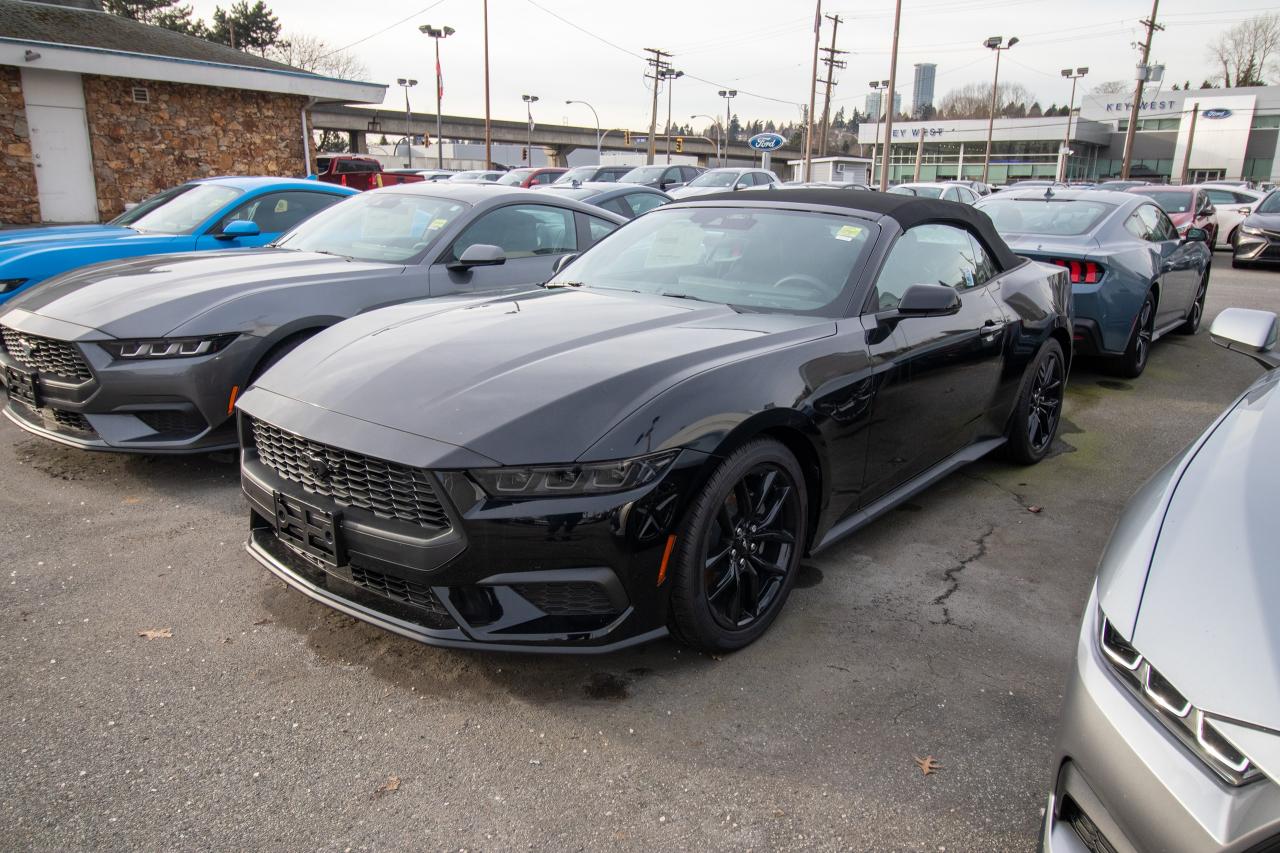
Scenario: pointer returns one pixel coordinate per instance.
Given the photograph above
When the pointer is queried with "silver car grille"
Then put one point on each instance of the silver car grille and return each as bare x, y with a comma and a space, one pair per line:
45, 355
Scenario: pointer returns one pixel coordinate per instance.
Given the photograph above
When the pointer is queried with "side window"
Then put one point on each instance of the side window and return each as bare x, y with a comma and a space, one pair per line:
641, 202
951, 194
746, 180
618, 205
967, 195
673, 175
546, 177
984, 267
763, 179
1136, 226
931, 254
1164, 225
600, 228
1222, 196
689, 173
275, 212
521, 231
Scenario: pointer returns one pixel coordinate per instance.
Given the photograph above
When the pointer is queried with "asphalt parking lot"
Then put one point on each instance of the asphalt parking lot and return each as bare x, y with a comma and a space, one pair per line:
264, 720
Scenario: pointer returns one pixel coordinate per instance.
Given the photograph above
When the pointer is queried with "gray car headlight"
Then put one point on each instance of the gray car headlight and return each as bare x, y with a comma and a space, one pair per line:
166, 347
1249, 229
593, 478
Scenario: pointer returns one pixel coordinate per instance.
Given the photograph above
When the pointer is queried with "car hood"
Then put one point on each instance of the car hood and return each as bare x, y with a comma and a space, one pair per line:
150, 296
536, 378
23, 243
1206, 619
1269, 221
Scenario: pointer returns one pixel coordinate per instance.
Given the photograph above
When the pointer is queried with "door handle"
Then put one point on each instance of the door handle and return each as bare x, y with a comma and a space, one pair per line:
990, 329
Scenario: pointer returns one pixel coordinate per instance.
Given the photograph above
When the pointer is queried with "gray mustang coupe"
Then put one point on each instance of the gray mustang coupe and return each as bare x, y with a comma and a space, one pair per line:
150, 354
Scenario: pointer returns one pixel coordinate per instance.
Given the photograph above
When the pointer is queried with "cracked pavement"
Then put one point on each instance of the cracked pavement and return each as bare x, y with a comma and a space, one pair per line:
269, 722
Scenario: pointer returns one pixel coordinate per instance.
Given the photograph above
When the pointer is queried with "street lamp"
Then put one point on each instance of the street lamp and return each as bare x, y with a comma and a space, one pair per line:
715, 123
728, 95
529, 101
1066, 140
671, 75
877, 86
408, 134
599, 138
436, 35
994, 43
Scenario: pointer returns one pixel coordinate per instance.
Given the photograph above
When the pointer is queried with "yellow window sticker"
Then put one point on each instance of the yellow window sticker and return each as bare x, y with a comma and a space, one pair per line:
848, 232
282, 206
437, 224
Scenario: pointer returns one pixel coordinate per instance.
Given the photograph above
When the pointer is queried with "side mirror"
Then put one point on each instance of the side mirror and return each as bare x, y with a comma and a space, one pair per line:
479, 255
1196, 235
1244, 211
928, 300
239, 228
563, 261
1249, 331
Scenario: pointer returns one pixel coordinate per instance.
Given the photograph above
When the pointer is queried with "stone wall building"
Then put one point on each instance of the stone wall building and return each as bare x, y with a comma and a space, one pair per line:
98, 111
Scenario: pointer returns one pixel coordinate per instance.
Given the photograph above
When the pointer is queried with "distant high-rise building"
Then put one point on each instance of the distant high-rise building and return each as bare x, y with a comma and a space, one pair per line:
922, 91
874, 101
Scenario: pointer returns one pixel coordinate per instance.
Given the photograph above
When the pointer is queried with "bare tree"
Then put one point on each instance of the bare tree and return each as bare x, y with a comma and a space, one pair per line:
1246, 52
315, 55
974, 101
1111, 87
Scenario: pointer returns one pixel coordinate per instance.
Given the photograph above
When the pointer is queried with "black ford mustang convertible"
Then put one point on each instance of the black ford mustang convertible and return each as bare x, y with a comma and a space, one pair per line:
652, 442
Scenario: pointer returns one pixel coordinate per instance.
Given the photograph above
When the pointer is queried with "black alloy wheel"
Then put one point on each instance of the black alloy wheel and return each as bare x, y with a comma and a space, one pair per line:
1192, 325
1134, 360
1038, 410
739, 549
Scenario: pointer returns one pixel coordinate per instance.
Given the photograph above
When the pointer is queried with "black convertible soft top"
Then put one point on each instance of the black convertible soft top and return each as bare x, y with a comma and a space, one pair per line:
907, 210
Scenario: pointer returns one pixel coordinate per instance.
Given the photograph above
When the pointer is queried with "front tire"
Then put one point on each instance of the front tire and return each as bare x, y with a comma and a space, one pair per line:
739, 549
1038, 410
1134, 361
1192, 325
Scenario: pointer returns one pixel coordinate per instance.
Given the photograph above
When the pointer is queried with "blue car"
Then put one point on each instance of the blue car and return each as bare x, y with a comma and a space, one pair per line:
212, 213
1134, 278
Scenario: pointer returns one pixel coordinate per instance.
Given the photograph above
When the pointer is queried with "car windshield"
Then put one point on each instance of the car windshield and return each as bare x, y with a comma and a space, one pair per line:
643, 175
1051, 217
474, 175
1169, 200
715, 179
1270, 204
923, 192
377, 226
730, 255
180, 210
515, 177
581, 193
581, 173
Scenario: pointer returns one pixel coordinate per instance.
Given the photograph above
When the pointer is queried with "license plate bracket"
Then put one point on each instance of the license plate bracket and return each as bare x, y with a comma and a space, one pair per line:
22, 386
309, 531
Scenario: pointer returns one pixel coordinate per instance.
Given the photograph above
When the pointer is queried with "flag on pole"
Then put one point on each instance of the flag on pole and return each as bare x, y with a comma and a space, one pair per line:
439, 80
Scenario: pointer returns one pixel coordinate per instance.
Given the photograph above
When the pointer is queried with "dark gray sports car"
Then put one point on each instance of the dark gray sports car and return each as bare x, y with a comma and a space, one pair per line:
629, 200
150, 354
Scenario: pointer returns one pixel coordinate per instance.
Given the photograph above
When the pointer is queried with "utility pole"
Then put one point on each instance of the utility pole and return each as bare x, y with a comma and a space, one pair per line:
813, 93
893, 87
1191, 138
657, 65
488, 124
919, 154
832, 64
1151, 26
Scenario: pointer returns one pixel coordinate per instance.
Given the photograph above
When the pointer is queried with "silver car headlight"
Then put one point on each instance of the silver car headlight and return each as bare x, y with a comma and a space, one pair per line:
166, 347
1188, 723
592, 478
1249, 229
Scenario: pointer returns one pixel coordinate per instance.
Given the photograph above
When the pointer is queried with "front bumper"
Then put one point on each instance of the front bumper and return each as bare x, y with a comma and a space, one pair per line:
574, 575
1257, 248
1123, 777
152, 406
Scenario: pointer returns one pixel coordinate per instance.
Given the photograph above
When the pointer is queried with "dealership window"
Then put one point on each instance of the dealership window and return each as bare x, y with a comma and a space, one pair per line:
1265, 122
1152, 124
1257, 168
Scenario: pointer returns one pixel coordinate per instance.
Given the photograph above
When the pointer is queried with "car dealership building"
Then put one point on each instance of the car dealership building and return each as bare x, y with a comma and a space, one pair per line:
1237, 137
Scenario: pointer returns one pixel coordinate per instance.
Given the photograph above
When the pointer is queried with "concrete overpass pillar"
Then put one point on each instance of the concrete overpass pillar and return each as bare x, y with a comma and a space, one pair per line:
556, 155
355, 142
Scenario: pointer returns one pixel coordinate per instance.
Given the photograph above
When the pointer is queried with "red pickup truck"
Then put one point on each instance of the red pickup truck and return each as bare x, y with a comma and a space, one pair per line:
358, 172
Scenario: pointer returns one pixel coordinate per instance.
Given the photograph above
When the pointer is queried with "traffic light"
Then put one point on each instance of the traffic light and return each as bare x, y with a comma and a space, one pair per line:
524, 153
626, 137
679, 144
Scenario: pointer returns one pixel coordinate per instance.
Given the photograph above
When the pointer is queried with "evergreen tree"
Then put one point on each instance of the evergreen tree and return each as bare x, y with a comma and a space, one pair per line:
246, 27
159, 13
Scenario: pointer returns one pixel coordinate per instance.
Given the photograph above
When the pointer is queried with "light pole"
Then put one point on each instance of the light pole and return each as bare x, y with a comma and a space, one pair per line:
994, 43
1066, 140
877, 86
728, 95
716, 123
529, 101
408, 133
599, 138
436, 35
670, 75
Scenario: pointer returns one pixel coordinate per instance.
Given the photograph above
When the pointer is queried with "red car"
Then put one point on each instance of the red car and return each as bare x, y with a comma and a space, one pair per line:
362, 173
1188, 206
531, 177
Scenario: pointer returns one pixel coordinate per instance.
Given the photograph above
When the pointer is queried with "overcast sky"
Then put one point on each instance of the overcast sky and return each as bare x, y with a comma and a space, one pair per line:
763, 49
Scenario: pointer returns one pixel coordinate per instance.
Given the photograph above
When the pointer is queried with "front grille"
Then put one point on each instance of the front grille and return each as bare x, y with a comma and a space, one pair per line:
45, 355
387, 489
1085, 828
56, 419
172, 420
567, 599
398, 589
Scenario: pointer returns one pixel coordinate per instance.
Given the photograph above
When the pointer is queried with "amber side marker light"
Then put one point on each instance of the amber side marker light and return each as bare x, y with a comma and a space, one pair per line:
231, 404
666, 557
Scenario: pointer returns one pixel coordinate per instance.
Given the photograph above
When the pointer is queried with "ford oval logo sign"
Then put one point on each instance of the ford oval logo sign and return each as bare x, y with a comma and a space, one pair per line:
767, 141
1216, 113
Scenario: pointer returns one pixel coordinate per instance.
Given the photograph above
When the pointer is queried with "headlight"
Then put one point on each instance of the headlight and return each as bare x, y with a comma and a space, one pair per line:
166, 347
594, 478
1175, 711
9, 285
1249, 229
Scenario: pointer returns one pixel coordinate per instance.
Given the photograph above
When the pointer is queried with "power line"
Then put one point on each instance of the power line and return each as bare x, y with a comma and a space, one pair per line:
421, 11
584, 30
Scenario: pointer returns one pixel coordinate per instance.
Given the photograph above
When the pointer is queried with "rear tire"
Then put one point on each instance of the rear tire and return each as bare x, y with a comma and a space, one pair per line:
1192, 325
739, 549
1037, 412
1134, 361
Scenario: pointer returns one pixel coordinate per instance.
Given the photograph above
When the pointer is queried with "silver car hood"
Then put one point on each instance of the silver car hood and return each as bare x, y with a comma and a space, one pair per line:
1207, 618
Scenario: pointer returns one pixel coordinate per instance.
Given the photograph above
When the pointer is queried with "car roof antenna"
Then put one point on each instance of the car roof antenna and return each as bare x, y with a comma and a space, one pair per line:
1048, 193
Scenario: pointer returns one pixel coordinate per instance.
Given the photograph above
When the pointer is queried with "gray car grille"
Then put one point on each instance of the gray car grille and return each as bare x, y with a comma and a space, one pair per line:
387, 489
45, 355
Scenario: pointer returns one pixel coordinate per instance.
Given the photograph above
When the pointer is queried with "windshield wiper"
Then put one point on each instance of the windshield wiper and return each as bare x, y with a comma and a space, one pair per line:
334, 254
554, 284
687, 296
